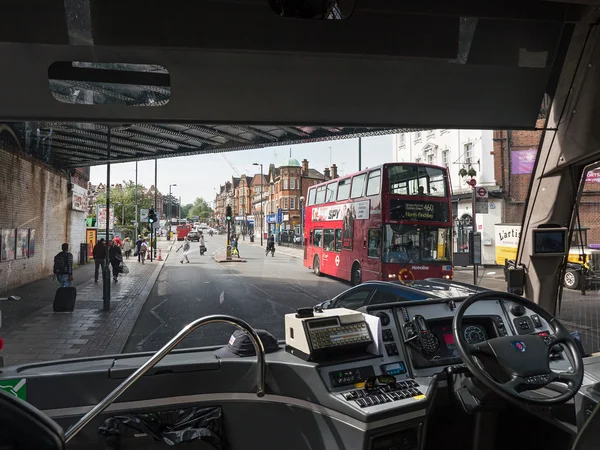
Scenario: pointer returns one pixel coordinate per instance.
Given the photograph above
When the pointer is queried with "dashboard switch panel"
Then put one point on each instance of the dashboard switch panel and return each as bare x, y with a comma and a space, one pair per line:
524, 325
537, 322
392, 349
383, 393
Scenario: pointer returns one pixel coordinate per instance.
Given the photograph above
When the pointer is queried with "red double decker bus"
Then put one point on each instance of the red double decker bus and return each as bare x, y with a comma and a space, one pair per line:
391, 222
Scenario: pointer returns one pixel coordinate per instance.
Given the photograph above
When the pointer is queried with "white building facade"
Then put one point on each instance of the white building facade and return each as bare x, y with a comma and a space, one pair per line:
458, 149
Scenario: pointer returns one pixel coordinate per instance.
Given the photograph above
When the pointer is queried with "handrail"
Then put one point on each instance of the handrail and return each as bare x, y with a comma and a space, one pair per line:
164, 351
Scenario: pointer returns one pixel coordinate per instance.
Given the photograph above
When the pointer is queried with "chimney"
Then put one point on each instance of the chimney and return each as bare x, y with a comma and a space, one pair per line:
305, 167
326, 173
334, 173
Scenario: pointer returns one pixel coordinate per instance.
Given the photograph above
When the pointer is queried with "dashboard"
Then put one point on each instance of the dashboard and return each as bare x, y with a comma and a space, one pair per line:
417, 345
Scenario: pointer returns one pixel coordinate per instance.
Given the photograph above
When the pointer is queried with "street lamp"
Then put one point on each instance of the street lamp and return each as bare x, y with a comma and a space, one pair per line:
169, 209
262, 212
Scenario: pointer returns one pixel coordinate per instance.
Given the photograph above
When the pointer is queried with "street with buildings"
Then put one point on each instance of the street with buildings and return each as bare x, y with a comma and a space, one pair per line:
154, 301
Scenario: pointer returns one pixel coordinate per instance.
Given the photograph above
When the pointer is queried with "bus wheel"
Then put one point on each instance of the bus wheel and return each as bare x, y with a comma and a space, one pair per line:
571, 279
356, 277
317, 267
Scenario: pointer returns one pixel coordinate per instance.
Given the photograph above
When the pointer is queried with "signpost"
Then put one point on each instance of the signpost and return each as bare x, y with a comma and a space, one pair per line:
144, 214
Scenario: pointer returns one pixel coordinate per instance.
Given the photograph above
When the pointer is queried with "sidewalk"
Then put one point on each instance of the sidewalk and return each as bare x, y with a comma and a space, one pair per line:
33, 332
279, 249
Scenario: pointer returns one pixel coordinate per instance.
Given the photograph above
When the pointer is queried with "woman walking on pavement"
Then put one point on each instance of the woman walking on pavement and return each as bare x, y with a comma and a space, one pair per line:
116, 257
202, 246
127, 247
143, 250
186, 249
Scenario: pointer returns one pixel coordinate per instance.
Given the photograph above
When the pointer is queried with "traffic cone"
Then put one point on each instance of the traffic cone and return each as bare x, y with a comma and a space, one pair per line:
159, 255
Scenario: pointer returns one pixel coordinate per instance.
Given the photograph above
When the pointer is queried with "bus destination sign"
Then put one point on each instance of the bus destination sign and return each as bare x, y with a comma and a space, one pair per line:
418, 210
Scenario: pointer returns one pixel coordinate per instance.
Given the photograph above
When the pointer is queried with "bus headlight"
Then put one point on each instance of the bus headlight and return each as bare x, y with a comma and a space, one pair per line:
448, 277
391, 275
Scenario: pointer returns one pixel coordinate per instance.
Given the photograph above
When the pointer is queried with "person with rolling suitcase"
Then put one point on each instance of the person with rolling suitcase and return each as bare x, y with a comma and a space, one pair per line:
64, 299
63, 267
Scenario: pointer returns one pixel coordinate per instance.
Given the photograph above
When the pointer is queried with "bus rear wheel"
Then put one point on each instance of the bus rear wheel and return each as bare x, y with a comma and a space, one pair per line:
317, 266
356, 276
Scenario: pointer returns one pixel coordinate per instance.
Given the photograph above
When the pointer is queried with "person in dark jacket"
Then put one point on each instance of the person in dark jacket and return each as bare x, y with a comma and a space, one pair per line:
99, 254
115, 256
138, 246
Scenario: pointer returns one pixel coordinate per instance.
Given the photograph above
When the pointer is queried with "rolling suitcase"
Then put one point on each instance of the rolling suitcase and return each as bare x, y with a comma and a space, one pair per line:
64, 299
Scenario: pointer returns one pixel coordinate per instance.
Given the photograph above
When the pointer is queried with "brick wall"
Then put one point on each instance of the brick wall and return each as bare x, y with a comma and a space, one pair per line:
514, 186
32, 196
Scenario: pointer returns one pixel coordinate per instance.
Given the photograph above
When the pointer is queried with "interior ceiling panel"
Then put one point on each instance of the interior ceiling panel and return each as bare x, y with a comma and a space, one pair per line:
238, 76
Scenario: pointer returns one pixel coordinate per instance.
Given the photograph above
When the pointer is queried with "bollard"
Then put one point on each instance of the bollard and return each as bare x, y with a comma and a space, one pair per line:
159, 255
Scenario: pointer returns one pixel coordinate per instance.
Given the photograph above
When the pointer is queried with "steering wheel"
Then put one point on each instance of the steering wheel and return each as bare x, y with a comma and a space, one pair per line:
525, 359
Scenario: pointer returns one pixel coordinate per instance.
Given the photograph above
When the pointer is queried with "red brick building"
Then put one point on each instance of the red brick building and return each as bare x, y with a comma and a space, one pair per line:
514, 178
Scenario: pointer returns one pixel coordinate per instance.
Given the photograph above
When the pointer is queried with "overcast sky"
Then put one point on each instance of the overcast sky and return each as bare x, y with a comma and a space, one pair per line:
199, 176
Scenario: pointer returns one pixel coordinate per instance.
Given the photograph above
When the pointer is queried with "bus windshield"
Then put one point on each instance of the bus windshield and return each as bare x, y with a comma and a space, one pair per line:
416, 180
415, 244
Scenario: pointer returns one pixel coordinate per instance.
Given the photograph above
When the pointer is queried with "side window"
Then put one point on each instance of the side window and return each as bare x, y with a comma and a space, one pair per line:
338, 240
374, 184
358, 186
311, 196
374, 243
331, 190
384, 296
320, 198
328, 240
353, 299
310, 238
343, 190
318, 238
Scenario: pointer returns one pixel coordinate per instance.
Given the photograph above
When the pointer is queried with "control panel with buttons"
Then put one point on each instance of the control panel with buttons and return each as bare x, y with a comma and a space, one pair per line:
387, 335
391, 349
523, 325
341, 335
383, 394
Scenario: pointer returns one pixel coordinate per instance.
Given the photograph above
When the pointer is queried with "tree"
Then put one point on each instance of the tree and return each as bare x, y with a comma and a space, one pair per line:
185, 210
201, 209
123, 200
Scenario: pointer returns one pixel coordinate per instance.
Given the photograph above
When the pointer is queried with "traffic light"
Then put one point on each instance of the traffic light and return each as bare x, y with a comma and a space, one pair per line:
228, 214
151, 216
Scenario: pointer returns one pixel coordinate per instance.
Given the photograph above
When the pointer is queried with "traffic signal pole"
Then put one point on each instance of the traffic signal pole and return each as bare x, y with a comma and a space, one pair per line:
228, 219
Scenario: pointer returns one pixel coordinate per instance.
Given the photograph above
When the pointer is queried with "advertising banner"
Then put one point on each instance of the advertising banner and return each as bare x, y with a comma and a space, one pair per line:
522, 161
78, 198
507, 241
91, 235
101, 218
359, 210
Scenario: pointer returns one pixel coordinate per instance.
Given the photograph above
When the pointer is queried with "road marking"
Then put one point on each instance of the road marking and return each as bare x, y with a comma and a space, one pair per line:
140, 345
299, 289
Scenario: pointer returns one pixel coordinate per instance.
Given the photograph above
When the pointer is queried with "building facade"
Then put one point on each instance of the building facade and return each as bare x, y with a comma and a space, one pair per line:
456, 150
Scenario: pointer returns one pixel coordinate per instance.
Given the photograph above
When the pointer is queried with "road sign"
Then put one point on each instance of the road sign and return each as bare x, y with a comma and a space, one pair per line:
144, 215
472, 182
280, 215
481, 207
481, 192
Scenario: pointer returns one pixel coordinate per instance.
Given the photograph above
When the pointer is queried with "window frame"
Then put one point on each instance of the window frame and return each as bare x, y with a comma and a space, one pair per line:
318, 231
320, 189
344, 182
331, 188
362, 191
369, 178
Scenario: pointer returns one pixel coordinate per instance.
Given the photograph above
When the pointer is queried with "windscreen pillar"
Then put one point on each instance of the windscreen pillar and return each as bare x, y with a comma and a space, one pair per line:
571, 141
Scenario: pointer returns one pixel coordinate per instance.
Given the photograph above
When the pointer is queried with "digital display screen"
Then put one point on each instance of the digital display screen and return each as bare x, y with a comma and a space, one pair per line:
322, 323
394, 368
550, 241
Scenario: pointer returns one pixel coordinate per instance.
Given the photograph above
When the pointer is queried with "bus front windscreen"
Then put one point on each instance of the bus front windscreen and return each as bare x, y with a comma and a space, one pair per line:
415, 244
417, 180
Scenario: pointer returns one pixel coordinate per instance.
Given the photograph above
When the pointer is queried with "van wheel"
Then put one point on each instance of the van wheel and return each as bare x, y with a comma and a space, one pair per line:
571, 279
356, 277
317, 267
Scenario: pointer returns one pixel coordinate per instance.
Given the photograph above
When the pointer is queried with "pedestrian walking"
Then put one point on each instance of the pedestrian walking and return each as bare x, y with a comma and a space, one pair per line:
127, 247
63, 267
186, 248
115, 255
202, 246
99, 254
143, 250
138, 245
234, 246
